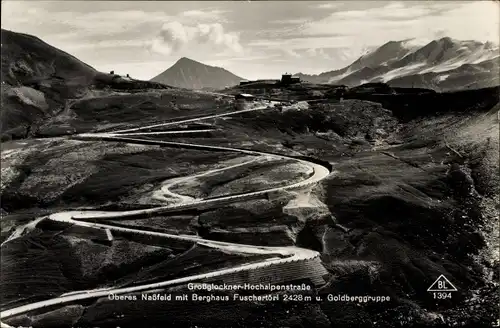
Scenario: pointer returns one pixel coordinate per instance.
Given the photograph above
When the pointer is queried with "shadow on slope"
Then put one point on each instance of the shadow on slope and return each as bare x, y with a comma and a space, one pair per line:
408, 106
414, 212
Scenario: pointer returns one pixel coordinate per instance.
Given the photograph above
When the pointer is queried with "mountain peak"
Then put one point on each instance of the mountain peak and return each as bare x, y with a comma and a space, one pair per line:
183, 60
446, 39
191, 74
420, 61
384, 54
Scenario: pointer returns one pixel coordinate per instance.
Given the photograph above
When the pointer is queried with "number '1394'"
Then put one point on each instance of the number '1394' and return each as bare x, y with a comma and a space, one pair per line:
441, 295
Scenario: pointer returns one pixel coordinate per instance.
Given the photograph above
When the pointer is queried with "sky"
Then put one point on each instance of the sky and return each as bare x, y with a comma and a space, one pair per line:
252, 39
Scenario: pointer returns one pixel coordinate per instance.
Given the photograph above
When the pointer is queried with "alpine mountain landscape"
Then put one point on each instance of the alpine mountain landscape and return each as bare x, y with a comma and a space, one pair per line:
250, 164
444, 64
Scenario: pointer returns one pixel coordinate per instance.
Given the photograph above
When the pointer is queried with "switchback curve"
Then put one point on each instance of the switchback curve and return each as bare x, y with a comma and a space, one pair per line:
282, 254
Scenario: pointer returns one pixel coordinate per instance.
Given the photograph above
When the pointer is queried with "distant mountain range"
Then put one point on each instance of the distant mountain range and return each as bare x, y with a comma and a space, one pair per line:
190, 74
444, 64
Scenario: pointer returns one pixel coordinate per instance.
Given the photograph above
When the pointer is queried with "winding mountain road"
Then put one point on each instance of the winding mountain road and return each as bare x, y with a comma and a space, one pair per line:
280, 255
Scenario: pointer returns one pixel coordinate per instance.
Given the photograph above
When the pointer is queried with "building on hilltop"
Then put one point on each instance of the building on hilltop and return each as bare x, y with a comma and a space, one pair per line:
289, 79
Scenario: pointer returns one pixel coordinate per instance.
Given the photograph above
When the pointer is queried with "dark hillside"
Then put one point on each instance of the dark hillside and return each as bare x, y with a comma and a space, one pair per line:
39, 81
408, 106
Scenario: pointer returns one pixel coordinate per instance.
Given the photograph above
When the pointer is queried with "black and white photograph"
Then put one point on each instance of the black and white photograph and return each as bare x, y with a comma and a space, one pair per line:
261, 164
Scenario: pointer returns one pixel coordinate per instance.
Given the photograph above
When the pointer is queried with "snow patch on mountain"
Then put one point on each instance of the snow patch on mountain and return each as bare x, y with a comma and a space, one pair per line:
408, 60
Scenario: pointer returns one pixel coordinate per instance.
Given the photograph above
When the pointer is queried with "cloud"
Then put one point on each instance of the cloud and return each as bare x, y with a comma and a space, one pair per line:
477, 20
291, 53
391, 11
139, 70
340, 37
175, 37
95, 23
112, 44
215, 14
303, 42
291, 21
318, 52
326, 6
317, 36
252, 58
